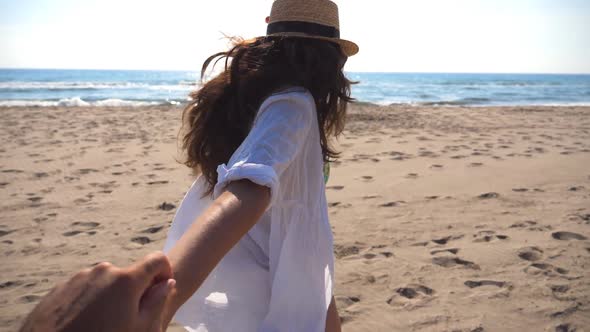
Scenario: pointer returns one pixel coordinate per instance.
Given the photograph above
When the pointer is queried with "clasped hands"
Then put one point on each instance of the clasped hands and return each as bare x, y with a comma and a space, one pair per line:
108, 298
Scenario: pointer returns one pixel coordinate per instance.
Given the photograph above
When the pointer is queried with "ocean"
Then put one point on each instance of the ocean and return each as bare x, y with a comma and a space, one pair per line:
46, 87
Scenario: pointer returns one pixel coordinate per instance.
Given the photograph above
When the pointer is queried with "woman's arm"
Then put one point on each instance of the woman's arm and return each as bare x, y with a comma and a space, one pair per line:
211, 236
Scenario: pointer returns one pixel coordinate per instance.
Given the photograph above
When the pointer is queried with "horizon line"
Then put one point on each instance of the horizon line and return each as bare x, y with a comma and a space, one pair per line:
347, 71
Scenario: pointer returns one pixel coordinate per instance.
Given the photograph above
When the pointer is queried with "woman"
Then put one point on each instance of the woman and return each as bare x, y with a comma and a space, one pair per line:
251, 245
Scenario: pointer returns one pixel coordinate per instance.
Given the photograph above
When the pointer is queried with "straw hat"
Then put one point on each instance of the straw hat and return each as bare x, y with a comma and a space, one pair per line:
316, 19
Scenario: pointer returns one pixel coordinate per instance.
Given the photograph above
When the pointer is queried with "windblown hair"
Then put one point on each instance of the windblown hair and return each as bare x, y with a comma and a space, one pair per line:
220, 114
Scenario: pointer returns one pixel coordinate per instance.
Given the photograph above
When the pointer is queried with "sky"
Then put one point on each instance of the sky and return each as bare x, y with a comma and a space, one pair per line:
507, 36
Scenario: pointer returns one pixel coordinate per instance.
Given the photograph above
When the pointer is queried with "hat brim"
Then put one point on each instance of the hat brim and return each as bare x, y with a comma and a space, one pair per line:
348, 48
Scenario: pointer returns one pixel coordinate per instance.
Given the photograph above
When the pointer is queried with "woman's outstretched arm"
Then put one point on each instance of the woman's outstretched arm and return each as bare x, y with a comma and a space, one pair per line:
216, 231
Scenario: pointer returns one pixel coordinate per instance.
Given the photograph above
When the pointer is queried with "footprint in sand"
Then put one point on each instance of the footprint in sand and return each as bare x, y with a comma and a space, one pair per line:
578, 188
545, 268
451, 261
480, 283
413, 291
453, 251
30, 298
389, 204
411, 294
566, 327
531, 254
335, 187
141, 240
40, 175
71, 233
488, 236
166, 206
39, 219
13, 171
458, 157
444, 240
373, 140
87, 224
565, 236
488, 195
427, 153
341, 251
520, 190
153, 230
10, 284
583, 217
559, 288
566, 312
531, 226
35, 199
157, 182
344, 302
85, 171
86, 227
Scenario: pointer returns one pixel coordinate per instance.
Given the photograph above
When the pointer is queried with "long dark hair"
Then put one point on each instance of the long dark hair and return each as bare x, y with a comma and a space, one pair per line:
219, 116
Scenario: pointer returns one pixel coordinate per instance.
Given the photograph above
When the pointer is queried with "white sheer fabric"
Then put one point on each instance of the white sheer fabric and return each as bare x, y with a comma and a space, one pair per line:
279, 276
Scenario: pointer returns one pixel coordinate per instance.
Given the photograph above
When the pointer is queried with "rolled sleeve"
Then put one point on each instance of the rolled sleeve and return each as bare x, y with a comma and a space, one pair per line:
260, 174
276, 137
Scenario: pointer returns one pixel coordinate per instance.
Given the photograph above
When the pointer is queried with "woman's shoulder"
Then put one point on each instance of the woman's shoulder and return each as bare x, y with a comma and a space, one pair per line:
290, 89
296, 94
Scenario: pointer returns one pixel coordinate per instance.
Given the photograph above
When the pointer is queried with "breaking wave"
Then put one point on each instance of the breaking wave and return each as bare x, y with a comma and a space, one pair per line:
79, 102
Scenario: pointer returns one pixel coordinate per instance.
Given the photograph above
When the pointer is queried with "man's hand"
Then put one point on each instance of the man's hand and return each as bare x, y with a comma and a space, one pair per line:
107, 298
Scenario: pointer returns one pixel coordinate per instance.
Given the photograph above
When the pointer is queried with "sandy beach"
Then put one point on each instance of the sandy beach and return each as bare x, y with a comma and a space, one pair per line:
463, 219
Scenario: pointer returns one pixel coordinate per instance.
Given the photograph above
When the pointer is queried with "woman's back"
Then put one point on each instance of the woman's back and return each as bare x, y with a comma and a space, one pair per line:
260, 281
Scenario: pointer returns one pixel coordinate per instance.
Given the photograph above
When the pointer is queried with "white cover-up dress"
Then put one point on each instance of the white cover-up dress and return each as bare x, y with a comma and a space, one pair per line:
279, 276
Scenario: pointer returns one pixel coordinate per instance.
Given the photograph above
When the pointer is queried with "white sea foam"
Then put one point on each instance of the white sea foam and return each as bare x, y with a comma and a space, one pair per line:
441, 103
16, 86
120, 102
79, 102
